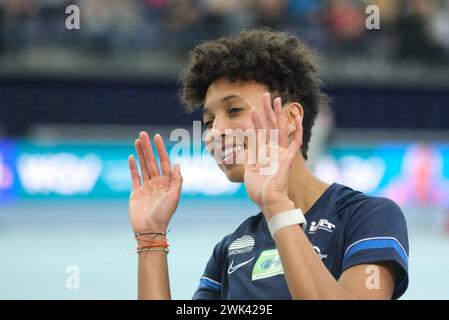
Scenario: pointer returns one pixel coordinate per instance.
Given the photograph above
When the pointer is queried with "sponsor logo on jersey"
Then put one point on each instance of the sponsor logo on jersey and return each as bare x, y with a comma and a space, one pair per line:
318, 252
323, 224
267, 265
241, 245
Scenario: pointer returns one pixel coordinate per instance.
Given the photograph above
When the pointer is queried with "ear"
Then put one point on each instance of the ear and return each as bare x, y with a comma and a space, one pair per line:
291, 111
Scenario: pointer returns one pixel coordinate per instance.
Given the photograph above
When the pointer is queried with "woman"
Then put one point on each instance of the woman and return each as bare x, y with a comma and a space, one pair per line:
311, 240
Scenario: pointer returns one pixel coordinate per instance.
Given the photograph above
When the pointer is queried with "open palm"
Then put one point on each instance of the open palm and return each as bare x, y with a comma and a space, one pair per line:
154, 197
266, 182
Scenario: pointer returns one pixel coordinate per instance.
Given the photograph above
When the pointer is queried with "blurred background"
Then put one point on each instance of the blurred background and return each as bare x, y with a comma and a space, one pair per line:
73, 101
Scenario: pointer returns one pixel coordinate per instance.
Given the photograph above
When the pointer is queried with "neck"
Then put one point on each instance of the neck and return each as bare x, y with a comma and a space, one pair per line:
304, 189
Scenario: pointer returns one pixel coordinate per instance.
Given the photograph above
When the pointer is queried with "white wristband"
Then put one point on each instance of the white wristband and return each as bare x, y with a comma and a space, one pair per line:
285, 219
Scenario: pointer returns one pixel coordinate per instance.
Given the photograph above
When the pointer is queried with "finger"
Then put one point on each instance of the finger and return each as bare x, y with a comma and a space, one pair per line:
251, 142
258, 126
150, 159
268, 110
296, 144
135, 178
176, 184
256, 119
260, 131
163, 155
280, 121
270, 118
142, 162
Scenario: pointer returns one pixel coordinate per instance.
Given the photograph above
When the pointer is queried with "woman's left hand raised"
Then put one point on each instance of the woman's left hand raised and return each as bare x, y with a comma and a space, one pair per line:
268, 167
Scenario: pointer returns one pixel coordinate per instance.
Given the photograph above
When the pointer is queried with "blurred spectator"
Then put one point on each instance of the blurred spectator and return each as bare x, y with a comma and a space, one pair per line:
183, 24
18, 19
414, 32
410, 30
223, 16
423, 185
270, 13
155, 15
305, 20
380, 42
439, 26
112, 24
2, 27
345, 21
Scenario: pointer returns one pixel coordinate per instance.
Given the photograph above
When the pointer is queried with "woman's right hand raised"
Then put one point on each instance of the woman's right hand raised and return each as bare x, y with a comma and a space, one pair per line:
154, 197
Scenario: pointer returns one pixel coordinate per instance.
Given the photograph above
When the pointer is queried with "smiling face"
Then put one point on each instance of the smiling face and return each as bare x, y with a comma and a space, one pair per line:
226, 109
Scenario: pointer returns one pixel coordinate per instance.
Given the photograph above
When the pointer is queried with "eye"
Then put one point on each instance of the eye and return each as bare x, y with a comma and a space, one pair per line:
208, 123
235, 110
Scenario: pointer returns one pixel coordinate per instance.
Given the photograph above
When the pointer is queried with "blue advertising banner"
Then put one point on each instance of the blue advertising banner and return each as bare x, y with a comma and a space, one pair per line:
8, 178
406, 172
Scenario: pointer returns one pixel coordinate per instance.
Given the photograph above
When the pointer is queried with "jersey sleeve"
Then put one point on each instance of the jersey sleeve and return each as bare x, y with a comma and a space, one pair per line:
210, 283
377, 232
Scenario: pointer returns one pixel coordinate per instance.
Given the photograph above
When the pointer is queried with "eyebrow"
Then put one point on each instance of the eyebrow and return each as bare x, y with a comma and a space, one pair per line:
224, 99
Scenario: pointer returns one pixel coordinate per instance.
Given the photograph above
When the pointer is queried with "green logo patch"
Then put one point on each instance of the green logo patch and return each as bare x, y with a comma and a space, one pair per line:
267, 265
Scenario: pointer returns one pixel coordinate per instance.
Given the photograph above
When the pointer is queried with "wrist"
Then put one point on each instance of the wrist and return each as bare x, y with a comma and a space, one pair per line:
286, 219
150, 233
151, 228
147, 240
275, 207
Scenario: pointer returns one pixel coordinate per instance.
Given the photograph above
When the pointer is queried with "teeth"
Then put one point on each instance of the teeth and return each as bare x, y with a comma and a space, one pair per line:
229, 151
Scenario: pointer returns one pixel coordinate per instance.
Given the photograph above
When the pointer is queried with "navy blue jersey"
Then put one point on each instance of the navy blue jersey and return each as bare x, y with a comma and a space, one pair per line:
345, 227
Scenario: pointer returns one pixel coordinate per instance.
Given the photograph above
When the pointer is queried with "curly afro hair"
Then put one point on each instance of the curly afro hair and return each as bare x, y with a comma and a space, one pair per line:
279, 61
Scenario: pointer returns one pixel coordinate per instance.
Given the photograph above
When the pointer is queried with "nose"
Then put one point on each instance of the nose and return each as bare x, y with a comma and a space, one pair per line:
219, 126
216, 135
